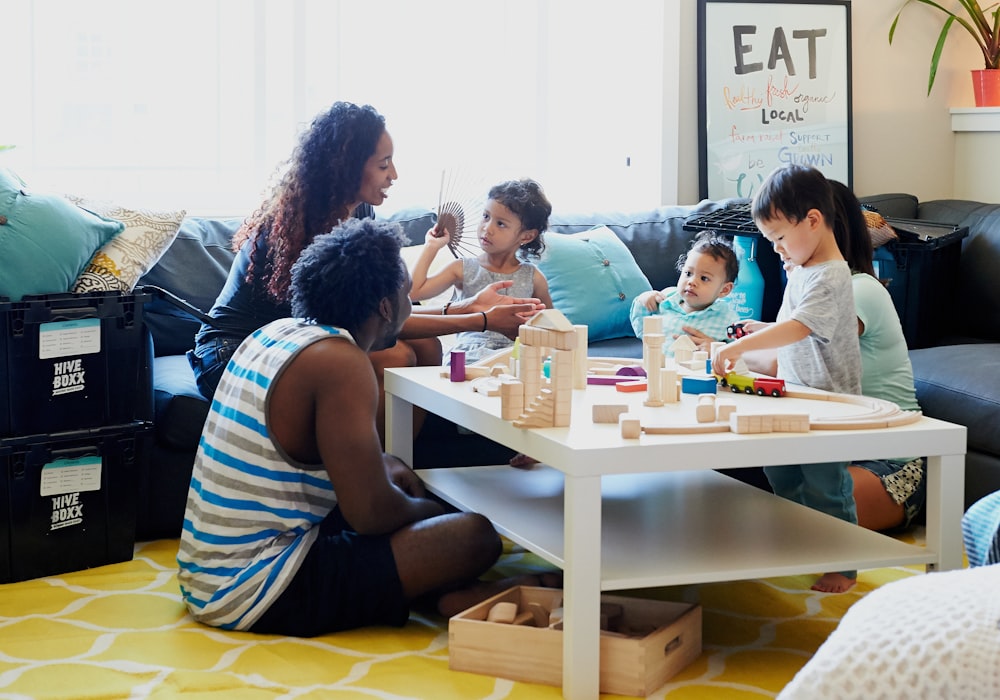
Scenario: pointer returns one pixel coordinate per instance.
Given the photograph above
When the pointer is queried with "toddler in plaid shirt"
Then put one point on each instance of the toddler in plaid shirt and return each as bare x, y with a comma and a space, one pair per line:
708, 273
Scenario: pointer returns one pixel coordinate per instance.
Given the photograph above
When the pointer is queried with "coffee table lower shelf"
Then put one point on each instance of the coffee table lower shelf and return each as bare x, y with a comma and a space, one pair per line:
672, 528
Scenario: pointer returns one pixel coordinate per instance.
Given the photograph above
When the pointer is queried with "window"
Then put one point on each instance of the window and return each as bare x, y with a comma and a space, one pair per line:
194, 103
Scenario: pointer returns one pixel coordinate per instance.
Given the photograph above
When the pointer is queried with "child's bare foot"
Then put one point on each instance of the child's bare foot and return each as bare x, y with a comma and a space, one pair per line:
833, 583
522, 461
454, 602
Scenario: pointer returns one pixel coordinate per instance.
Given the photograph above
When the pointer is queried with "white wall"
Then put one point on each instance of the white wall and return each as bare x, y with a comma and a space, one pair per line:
903, 140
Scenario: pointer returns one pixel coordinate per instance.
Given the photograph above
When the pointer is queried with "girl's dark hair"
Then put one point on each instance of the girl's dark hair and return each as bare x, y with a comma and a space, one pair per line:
792, 190
711, 243
526, 199
342, 276
318, 186
851, 230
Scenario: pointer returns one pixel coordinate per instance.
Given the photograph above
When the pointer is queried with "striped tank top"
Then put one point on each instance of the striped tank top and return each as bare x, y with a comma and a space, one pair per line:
252, 514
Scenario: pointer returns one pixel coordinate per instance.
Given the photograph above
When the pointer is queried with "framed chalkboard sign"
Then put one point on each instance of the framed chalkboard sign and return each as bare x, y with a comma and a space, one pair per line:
774, 87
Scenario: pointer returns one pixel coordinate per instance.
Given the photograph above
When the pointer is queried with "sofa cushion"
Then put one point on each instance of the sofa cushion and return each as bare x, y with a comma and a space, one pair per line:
593, 279
194, 268
979, 316
180, 408
961, 384
119, 264
45, 240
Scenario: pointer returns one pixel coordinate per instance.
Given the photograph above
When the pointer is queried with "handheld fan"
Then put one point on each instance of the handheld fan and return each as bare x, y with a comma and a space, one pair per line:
460, 204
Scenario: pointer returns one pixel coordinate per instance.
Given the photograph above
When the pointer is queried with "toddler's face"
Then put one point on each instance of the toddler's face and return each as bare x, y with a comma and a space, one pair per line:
794, 242
702, 281
500, 229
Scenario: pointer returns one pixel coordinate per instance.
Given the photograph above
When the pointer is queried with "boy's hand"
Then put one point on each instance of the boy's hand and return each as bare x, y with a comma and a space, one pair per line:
724, 358
701, 341
651, 300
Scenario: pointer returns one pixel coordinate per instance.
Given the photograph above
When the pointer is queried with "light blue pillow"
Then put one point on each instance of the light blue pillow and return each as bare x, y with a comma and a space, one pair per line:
593, 279
45, 240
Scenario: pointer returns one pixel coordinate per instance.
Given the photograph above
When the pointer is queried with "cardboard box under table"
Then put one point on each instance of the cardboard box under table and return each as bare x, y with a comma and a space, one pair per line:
657, 639
68, 500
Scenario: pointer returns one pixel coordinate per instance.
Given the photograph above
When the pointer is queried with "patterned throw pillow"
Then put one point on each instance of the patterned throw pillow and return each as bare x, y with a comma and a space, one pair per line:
119, 264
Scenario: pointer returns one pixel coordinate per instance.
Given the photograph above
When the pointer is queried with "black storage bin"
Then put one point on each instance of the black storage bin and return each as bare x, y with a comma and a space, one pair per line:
73, 361
921, 270
68, 500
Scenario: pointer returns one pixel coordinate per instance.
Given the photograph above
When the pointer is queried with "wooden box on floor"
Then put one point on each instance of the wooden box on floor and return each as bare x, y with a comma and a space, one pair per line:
668, 639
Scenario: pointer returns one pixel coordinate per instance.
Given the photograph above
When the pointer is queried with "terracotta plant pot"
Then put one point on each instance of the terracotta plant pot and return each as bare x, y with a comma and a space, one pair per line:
986, 86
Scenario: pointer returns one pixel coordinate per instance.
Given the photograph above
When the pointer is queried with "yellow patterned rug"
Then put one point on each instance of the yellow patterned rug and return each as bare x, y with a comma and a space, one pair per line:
121, 631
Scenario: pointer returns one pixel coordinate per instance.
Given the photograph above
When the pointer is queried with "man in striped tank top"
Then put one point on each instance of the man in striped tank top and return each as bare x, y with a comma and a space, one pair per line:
297, 523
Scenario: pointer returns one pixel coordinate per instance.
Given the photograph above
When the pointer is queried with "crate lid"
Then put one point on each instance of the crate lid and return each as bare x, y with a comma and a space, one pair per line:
926, 234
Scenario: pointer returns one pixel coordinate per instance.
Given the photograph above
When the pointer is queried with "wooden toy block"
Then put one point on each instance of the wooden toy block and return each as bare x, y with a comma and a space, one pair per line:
608, 412
550, 319
511, 399
555, 616
705, 412
724, 408
539, 613
668, 383
746, 423
631, 371
457, 366
791, 423
699, 356
698, 385
652, 324
606, 379
580, 358
631, 386
630, 426
504, 611
524, 618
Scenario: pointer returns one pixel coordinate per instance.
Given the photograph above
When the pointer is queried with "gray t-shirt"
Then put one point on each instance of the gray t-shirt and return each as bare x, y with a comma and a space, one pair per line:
821, 297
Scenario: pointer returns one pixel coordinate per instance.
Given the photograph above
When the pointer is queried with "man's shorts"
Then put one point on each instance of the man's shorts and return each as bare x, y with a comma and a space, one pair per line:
346, 581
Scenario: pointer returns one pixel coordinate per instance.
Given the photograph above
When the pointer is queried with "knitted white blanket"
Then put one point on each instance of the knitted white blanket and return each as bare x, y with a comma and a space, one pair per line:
935, 636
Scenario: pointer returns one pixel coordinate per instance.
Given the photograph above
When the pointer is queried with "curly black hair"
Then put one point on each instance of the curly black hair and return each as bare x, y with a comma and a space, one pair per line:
316, 191
342, 276
711, 243
527, 199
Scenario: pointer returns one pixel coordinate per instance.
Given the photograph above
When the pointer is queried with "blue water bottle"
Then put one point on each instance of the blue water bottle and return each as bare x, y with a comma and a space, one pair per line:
747, 296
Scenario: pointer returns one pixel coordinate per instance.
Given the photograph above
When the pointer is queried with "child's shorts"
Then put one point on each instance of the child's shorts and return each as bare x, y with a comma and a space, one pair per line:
346, 581
904, 480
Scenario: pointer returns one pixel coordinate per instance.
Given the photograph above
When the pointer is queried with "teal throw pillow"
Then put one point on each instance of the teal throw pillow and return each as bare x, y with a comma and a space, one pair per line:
45, 240
593, 279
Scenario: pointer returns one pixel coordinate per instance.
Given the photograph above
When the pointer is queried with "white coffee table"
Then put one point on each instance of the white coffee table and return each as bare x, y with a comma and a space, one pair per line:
615, 513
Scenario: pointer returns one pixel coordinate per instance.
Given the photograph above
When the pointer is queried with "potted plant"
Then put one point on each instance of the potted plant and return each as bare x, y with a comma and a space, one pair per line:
983, 26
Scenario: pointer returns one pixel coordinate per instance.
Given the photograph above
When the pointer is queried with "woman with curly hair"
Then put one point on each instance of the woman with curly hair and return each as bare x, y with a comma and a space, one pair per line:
341, 167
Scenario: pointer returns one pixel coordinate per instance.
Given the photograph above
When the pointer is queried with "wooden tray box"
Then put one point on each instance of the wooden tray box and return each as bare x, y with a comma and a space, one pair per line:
633, 665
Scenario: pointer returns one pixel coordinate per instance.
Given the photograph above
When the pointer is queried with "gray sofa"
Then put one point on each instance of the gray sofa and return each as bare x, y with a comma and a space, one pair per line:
953, 383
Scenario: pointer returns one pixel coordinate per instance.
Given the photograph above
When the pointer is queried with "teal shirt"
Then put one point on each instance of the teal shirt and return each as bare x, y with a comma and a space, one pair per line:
887, 373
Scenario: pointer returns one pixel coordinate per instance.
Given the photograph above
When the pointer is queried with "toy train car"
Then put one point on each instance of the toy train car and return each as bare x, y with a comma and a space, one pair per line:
762, 386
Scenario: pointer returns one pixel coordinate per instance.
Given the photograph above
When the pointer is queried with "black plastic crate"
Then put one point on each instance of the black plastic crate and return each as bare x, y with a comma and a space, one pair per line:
68, 500
73, 361
921, 272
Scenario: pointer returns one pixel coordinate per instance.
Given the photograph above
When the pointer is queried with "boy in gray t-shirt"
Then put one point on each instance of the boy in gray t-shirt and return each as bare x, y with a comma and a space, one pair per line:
815, 334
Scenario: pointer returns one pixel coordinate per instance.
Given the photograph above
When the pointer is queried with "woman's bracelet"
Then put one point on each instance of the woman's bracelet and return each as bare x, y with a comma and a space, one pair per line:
444, 311
485, 322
